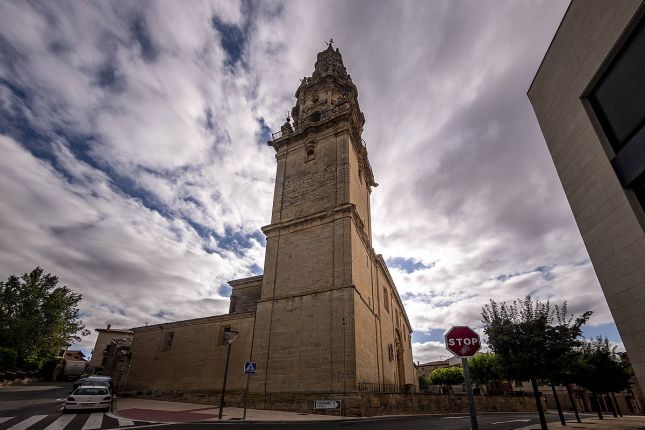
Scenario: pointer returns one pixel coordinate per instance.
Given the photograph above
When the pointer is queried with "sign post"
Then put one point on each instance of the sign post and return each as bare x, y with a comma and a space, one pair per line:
464, 342
250, 367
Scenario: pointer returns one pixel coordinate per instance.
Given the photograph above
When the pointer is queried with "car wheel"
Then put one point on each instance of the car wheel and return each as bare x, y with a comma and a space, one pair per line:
65, 411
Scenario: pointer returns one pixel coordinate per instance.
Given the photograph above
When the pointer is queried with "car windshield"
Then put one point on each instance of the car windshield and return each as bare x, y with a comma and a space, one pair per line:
91, 392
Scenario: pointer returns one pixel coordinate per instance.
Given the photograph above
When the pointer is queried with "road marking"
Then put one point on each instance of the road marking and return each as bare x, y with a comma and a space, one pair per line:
123, 422
94, 421
61, 422
512, 421
3, 419
452, 418
23, 425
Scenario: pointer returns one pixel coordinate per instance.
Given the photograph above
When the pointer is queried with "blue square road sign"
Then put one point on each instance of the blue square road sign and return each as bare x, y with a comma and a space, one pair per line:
250, 367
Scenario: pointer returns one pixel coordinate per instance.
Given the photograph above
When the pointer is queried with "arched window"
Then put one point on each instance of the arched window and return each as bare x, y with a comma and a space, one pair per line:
310, 152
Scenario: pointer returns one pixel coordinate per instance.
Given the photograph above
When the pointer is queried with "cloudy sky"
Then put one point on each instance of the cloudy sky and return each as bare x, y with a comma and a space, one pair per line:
134, 162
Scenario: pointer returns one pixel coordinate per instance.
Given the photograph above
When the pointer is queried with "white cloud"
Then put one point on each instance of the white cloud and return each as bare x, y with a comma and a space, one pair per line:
465, 177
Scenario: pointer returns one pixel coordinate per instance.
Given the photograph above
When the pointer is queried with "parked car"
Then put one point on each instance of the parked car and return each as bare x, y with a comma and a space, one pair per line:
88, 397
94, 380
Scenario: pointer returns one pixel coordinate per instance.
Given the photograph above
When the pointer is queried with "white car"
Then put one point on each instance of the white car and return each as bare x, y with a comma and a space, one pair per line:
88, 397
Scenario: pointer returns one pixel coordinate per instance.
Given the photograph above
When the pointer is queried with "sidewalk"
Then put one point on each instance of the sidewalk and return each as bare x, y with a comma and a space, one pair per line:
609, 423
175, 412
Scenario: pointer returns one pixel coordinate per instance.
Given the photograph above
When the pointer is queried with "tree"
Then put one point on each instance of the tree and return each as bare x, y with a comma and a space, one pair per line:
529, 338
37, 316
484, 368
424, 384
600, 370
447, 376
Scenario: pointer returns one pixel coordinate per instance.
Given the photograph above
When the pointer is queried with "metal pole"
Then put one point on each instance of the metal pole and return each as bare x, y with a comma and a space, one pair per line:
471, 399
246, 395
221, 400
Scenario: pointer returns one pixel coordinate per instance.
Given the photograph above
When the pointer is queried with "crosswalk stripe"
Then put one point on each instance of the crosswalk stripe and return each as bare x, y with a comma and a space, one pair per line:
123, 422
23, 425
61, 422
94, 421
3, 419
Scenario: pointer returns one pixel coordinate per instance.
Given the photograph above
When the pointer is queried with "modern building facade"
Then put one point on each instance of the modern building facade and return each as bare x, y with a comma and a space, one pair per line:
325, 319
589, 98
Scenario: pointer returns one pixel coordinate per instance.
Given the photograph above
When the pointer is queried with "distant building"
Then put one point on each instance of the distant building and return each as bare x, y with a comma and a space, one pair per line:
74, 356
106, 335
589, 98
425, 369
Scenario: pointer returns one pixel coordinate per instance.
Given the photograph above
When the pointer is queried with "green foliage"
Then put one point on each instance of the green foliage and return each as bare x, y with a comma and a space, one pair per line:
484, 368
447, 376
8, 358
599, 369
531, 339
37, 316
49, 366
424, 384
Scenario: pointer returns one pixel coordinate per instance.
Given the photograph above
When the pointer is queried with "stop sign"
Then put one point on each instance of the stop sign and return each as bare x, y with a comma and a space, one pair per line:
462, 341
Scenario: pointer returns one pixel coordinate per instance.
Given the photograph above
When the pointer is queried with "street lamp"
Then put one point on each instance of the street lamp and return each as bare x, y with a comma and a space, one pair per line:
230, 336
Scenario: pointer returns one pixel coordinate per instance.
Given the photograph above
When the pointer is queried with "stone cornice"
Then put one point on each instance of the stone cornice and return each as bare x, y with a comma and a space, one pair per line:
194, 321
338, 212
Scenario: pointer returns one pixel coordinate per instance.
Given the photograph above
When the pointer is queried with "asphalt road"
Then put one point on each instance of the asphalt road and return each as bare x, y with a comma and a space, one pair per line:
39, 407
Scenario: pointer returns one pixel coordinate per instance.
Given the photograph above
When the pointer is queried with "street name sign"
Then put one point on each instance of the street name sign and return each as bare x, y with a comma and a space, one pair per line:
250, 367
326, 404
462, 341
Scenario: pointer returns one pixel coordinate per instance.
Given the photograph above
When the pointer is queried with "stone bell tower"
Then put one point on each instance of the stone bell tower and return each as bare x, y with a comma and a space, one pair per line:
317, 327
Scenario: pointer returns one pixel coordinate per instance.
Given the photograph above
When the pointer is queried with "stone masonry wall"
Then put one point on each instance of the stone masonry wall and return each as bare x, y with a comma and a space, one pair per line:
195, 358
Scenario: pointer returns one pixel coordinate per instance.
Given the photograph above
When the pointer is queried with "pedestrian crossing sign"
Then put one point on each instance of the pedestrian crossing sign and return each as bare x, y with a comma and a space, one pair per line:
250, 367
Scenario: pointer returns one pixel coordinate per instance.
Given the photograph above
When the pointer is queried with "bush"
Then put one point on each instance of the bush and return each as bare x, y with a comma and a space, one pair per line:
8, 358
49, 366
447, 376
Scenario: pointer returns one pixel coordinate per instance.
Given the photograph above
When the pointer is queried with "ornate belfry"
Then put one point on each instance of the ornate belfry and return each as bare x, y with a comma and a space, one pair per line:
320, 323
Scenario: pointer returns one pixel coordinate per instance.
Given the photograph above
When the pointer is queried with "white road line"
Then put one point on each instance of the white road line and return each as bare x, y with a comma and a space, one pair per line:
3, 419
61, 422
452, 418
123, 422
23, 425
512, 421
94, 421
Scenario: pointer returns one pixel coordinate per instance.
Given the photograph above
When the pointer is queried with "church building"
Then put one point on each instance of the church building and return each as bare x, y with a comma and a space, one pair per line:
325, 320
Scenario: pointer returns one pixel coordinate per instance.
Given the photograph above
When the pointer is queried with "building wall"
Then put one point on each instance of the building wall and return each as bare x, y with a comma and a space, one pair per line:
245, 294
196, 357
102, 341
609, 222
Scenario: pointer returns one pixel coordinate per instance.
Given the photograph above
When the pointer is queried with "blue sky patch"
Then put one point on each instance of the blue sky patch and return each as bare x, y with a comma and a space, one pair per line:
435, 334
409, 265
232, 39
608, 330
141, 35
225, 290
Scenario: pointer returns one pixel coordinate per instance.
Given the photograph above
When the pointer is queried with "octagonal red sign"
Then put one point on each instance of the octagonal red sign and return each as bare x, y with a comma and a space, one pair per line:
462, 341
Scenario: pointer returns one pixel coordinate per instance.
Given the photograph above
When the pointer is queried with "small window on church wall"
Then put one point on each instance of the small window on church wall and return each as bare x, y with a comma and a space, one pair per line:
221, 338
310, 152
386, 300
167, 341
390, 352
